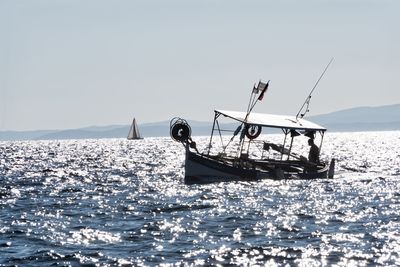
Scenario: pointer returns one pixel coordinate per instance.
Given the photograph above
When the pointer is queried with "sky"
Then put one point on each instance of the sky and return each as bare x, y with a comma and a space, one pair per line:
76, 63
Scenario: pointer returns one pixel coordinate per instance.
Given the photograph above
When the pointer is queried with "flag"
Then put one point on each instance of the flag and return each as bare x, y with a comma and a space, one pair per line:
258, 89
255, 89
263, 87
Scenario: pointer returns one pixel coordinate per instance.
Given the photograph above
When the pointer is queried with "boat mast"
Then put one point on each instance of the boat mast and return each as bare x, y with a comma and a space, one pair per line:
260, 89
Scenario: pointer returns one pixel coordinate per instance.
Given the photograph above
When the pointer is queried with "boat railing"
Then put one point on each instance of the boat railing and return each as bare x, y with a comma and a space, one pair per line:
259, 149
260, 152
294, 165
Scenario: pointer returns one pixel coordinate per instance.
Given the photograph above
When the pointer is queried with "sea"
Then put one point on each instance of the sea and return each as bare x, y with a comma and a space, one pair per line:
114, 202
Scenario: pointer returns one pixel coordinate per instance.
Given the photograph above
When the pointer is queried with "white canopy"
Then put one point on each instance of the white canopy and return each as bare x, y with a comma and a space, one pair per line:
273, 121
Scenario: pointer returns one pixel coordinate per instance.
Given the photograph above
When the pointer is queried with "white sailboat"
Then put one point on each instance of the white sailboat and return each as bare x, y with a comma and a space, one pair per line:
134, 131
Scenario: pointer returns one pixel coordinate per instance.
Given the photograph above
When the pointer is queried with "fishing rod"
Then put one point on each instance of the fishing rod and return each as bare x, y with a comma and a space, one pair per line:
308, 99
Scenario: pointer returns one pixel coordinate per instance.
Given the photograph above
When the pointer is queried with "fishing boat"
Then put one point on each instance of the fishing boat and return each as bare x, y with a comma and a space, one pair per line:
235, 161
134, 133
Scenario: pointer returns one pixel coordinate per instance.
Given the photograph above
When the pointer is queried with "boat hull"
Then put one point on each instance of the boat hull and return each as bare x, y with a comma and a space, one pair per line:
203, 169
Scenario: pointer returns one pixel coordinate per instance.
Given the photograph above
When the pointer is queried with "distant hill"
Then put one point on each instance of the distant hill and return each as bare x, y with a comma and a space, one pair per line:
24, 135
156, 129
380, 118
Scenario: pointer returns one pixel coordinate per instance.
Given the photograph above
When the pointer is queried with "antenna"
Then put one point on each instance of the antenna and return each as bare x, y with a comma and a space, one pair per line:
308, 99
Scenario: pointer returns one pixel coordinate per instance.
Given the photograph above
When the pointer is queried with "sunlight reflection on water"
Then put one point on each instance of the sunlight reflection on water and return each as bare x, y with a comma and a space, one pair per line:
115, 202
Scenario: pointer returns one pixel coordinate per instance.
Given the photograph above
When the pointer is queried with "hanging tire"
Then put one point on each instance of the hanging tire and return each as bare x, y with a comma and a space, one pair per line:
253, 131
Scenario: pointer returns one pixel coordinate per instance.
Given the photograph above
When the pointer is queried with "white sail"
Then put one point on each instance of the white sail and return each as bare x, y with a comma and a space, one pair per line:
134, 131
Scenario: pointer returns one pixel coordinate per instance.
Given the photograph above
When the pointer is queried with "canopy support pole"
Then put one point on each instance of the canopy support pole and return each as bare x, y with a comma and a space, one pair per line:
290, 148
219, 131
322, 139
248, 147
212, 132
284, 142
242, 139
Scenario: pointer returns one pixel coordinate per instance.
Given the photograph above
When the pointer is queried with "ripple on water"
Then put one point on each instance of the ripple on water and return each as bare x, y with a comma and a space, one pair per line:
115, 202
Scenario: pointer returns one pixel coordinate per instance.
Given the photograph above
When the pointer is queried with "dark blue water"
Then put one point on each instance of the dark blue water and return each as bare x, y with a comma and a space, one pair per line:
118, 202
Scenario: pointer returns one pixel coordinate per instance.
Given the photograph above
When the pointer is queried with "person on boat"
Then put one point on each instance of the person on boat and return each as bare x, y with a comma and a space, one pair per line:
313, 155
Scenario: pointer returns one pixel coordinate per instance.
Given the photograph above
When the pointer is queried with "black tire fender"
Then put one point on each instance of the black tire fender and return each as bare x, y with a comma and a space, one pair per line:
253, 131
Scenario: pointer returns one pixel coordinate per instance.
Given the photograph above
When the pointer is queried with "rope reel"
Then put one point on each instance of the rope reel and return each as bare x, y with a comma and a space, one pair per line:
180, 130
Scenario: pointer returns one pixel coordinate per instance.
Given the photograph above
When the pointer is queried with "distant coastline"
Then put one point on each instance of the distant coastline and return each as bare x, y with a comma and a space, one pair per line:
382, 118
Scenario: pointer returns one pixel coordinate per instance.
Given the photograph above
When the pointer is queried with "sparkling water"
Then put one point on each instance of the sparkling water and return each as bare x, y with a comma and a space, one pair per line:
114, 202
